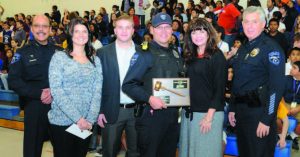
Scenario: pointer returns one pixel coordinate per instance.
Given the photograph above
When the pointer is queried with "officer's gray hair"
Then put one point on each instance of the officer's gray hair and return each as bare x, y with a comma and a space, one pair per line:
254, 9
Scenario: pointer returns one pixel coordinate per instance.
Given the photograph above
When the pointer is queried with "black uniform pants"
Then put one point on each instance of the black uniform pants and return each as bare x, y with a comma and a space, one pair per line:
36, 128
111, 134
66, 144
249, 145
158, 132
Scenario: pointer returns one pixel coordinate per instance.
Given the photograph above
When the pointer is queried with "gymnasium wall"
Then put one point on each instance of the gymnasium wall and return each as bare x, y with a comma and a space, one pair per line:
41, 6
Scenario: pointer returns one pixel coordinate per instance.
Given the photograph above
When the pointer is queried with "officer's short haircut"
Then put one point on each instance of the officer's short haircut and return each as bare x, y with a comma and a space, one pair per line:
274, 20
297, 37
254, 9
125, 17
297, 63
294, 49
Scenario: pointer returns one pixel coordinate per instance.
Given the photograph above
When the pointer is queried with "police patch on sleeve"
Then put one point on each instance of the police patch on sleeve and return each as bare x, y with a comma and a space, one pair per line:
274, 57
16, 58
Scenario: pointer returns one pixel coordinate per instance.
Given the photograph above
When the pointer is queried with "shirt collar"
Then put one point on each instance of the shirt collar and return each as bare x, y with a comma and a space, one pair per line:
155, 44
257, 39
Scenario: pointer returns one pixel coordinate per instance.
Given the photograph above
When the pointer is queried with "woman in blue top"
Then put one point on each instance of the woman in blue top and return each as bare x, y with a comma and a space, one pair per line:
75, 78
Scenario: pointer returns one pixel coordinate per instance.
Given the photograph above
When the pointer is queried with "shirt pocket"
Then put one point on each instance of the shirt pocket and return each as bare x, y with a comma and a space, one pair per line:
34, 68
254, 61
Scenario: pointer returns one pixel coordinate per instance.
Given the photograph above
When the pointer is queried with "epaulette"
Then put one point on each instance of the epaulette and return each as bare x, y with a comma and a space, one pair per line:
145, 46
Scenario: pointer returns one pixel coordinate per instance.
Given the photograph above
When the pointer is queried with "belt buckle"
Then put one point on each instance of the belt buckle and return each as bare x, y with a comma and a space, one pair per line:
124, 105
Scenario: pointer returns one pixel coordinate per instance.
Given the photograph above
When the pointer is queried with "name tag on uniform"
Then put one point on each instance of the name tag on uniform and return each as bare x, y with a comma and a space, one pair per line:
293, 104
32, 60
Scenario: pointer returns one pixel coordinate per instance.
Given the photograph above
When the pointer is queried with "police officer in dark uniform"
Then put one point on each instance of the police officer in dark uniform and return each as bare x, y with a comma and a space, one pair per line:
257, 88
28, 77
157, 127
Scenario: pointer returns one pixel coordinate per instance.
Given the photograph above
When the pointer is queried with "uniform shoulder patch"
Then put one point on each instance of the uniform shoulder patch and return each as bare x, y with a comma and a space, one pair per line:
16, 58
175, 53
274, 57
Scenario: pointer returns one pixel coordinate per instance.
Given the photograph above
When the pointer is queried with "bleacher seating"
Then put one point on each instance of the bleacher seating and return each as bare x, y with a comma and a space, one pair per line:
8, 95
231, 146
9, 108
283, 152
9, 112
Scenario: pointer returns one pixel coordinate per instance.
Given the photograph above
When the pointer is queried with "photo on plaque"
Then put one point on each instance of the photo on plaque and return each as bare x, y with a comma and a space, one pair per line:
173, 91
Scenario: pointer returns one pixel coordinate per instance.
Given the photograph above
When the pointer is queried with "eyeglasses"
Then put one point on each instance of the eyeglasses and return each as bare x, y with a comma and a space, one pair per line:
41, 26
166, 28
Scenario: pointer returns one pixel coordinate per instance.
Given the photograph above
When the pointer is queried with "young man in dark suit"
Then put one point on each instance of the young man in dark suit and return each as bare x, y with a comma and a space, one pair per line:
117, 109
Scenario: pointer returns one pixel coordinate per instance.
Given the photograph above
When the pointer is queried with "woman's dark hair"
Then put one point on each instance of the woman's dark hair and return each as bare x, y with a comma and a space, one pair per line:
176, 40
23, 16
87, 48
181, 7
131, 8
179, 25
190, 48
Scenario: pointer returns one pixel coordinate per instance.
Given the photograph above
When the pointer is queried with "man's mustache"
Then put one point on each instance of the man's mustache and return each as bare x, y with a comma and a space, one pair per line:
43, 33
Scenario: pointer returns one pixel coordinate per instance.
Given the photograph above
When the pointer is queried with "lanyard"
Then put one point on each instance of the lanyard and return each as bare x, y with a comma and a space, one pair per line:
294, 89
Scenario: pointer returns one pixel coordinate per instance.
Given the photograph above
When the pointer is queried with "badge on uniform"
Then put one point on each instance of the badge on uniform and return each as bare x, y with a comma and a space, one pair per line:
16, 58
145, 45
274, 57
293, 104
175, 53
254, 52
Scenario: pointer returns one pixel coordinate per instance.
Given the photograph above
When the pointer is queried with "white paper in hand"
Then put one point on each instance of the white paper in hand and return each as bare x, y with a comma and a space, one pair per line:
74, 129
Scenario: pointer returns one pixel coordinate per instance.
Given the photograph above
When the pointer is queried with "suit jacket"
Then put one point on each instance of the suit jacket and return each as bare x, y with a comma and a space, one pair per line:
133, 84
110, 103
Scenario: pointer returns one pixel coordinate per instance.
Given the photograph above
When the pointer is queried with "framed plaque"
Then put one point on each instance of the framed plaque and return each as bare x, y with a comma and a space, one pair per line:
173, 91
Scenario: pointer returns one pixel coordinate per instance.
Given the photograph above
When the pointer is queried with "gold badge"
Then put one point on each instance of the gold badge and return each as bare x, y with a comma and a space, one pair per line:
254, 52
145, 46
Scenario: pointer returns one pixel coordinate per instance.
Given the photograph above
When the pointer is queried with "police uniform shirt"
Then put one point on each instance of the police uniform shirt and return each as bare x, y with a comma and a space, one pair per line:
260, 62
167, 63
28, 73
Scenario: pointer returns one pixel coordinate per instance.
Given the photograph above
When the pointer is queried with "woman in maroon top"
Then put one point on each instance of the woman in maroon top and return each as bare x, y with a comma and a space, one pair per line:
136, 20
207, 70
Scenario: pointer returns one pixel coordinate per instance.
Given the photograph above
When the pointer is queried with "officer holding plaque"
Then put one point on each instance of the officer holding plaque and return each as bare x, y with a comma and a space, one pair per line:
157, 126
